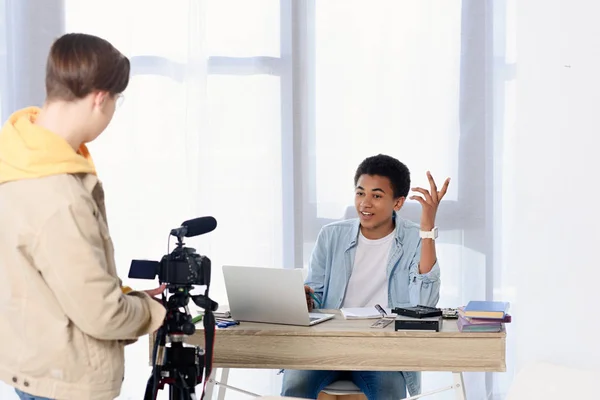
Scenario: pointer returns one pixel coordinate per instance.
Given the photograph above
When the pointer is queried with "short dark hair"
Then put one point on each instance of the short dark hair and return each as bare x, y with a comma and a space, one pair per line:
387, 166
79, 63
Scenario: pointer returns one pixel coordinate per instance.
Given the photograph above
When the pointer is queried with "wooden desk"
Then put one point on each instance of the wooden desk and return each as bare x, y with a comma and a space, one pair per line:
340, 344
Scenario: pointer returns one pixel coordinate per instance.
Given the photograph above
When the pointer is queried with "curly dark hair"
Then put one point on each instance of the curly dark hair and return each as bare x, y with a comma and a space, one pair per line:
387, 166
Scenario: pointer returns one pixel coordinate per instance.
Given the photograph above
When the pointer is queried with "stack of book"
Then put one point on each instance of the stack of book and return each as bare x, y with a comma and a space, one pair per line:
483, 316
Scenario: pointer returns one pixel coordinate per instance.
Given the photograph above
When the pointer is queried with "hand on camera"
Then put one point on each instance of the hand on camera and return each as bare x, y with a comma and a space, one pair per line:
156, 292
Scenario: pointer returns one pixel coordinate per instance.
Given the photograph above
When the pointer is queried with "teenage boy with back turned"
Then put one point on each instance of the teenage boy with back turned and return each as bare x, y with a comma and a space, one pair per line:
378, 258
64, 316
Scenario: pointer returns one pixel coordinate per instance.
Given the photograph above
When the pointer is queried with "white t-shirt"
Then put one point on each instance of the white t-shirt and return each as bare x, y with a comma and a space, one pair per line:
368, 283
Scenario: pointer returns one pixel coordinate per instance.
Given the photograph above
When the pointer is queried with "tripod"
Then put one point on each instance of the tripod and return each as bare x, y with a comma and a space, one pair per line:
181, 367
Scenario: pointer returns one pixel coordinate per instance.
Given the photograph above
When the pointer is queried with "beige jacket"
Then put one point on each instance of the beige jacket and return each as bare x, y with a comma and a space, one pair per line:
64, 317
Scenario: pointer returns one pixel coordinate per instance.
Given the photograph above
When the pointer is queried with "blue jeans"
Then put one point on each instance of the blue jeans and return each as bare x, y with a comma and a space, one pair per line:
25, 396
376, 385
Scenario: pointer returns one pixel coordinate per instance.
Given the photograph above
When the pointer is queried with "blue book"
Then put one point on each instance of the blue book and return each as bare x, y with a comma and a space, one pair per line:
487, 309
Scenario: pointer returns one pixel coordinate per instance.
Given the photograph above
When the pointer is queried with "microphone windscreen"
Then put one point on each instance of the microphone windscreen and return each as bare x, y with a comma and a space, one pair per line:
199, 226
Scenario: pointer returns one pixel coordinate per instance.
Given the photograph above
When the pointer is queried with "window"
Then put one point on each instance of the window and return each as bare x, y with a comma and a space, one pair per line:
376, 72
205, 129
381, 69
245, 100
258, 113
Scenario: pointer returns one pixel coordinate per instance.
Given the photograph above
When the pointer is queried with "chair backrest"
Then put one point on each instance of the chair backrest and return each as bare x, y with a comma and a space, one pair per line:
342, 388
278, 398
554, 382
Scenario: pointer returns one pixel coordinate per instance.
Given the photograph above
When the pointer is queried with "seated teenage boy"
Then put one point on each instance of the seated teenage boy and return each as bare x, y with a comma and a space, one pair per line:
378, 258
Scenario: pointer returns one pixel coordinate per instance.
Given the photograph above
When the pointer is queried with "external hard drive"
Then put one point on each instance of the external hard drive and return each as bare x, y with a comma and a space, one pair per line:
403, 323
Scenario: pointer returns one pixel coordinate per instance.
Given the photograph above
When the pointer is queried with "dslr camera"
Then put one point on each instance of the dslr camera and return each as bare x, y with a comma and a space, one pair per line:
182, 267
181, 367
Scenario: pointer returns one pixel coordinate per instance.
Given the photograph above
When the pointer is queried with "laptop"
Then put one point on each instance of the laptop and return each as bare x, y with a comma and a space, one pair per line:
269, 295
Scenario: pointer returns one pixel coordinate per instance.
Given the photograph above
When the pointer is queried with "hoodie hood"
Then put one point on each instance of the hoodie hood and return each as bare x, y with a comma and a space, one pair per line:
28, 151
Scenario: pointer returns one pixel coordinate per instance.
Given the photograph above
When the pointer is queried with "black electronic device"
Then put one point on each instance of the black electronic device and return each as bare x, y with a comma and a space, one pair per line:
404, 323
179, 366
418, 311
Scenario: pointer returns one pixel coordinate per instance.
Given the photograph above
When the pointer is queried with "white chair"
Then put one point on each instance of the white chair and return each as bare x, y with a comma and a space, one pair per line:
342, 388
278, 398
554, 382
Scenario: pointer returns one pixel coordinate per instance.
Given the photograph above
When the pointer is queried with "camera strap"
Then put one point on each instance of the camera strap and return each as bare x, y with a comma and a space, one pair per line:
210, 327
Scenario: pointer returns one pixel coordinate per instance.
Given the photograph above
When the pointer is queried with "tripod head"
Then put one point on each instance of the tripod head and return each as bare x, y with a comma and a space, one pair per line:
179, 322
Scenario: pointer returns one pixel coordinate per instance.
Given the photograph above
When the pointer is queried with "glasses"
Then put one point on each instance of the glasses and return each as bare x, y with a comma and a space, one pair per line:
120, 100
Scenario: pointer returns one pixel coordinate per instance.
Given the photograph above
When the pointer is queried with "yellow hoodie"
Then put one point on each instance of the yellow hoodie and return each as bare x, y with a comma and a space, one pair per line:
29, 151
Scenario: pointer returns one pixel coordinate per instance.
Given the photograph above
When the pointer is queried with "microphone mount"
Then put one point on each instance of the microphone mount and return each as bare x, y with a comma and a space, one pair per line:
179, 233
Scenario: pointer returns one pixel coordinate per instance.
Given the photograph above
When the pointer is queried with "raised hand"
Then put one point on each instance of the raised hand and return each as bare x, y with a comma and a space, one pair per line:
430, 201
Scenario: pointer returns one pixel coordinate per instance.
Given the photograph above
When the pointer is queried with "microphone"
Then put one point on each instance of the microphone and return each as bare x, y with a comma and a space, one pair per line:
195, 227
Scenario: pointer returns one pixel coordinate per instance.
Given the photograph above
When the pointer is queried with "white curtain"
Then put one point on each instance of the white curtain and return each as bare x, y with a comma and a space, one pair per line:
3, 59
187, 144
258, 113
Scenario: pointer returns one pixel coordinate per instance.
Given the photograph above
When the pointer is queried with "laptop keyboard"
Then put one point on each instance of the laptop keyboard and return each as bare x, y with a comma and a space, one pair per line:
314, 318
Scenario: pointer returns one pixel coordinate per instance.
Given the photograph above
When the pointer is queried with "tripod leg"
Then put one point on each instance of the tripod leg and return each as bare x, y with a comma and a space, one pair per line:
149, 395
175, 393
179, 390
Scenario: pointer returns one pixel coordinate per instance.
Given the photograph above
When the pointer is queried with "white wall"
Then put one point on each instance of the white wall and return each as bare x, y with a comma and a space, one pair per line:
555, 241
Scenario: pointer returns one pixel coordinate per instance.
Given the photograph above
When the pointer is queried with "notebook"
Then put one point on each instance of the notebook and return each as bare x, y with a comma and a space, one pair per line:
507, 317
486, 309
364, 312
479, 326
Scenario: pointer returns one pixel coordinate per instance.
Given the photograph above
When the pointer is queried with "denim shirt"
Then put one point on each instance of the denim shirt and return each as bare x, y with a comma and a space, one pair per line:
332, 261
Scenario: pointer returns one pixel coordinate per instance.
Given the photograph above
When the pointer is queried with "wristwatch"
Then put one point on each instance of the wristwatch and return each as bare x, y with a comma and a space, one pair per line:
432, 234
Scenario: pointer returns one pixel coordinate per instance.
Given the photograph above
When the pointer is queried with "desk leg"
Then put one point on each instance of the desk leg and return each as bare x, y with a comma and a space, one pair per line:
223, 381
210, 385
459, 386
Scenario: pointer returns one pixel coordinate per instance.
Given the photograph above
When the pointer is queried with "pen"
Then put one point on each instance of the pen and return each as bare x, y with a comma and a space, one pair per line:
226, 324
381, 310
318, 303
